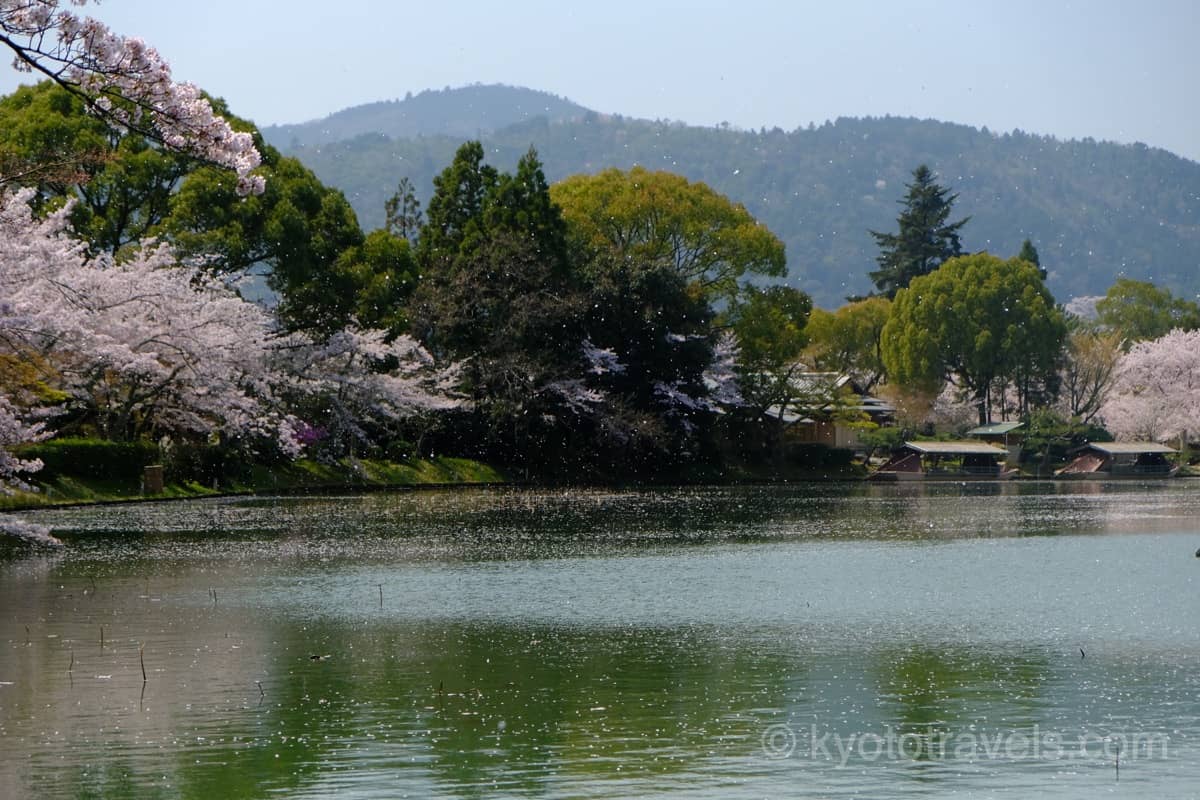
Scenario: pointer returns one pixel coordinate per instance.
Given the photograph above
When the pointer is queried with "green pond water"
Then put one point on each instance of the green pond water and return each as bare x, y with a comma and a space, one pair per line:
974, 641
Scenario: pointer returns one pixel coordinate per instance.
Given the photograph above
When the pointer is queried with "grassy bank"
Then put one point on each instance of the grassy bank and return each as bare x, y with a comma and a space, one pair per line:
298, 476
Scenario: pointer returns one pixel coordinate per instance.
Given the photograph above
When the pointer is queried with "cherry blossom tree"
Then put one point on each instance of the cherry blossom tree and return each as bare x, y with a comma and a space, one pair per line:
23, 244
574, 392
362, 382
721, 378
123, 80
146, 346
16, 429
149, 347
1156, 394
149, 341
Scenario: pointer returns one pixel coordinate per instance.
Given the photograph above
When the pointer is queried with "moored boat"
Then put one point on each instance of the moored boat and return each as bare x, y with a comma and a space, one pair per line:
946, 461
1119, 460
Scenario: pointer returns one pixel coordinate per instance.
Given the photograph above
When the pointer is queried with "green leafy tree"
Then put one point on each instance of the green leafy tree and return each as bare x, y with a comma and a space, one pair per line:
295, 232
658, 253
973, 321
926, 239
661, 252
660, 217
770, 325
574, 353
122, 183
383, 273
849, 340
1139, 310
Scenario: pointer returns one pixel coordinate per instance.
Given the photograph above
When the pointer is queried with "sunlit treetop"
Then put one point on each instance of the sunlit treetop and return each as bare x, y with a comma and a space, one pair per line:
658, 217
123, 80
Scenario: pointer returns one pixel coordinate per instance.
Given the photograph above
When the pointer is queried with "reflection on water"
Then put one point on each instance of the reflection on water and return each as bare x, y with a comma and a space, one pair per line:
807, 641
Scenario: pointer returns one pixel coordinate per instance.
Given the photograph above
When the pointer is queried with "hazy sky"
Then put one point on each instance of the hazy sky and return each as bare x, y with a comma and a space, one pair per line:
1123, 71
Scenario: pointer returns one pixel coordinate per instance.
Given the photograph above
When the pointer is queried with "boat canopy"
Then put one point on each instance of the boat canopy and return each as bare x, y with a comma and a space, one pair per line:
1129, 448
956, 449
995, 429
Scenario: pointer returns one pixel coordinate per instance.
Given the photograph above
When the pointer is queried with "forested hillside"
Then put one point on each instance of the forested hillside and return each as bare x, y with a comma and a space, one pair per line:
465, 113
1094, 210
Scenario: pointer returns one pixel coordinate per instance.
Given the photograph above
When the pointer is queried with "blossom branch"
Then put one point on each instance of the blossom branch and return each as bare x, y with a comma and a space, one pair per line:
125, 81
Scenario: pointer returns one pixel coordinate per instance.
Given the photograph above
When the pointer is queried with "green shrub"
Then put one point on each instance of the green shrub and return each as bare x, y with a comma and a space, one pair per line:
91, 458
883, 438
206, 464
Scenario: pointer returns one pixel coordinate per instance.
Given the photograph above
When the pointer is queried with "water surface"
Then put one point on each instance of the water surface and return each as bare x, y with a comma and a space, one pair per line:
981, 640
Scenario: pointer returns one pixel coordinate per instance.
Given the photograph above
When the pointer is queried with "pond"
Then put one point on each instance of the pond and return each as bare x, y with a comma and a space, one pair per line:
977, 640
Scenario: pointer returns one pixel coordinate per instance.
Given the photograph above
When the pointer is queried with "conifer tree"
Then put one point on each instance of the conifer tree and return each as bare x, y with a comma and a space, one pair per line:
1029, 253
402, 212
925, 239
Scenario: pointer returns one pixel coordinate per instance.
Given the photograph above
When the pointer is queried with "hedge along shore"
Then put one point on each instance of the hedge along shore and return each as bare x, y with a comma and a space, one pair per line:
298, 477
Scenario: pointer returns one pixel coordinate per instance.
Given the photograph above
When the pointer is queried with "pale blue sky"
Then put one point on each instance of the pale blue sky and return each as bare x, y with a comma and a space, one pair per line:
1122, 71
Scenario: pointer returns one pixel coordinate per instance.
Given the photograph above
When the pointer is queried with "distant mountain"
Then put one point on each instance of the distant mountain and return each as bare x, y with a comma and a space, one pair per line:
1094, 210
467, 112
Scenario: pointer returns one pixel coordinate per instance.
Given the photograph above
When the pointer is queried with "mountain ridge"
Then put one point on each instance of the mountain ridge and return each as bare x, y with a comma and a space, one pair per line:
464, 111
1095, 210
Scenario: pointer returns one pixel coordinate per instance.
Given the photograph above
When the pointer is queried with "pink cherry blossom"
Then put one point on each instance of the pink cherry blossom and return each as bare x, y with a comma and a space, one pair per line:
149, 346
145, 345
1156, 394
124, 80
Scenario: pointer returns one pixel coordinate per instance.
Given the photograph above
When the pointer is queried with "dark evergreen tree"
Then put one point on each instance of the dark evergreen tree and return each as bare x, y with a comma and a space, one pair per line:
521, 204
925, 239
1029, 253
454, 219
402, 212
660, 331
497, 293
